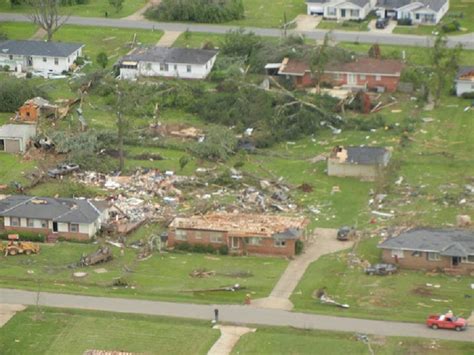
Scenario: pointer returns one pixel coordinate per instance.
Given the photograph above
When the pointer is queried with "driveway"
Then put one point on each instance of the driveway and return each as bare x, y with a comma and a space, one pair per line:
307, 22
340, 36
387, 30
322, 241
139, 14
232, 314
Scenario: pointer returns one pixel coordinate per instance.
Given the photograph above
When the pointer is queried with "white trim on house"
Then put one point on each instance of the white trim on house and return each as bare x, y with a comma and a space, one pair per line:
340, 10
419, 12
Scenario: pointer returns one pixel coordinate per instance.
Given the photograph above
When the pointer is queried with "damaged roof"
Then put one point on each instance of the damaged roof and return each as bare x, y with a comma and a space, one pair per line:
23, 131
39, 48
465, 73
448, 242
66, 210
245, 225
391, 67
293, 67
171, 55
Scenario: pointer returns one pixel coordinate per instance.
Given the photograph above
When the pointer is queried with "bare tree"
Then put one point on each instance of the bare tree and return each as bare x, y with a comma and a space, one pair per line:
45, 13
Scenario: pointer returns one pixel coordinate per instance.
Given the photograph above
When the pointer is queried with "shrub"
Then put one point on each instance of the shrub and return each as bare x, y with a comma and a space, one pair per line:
29, 75
79, 61
6, 68
197, 11
102, 59
223, 250
453, 26
299, 246
468, 95
26, 236
14, 92
198, 248
78, 241
404, 22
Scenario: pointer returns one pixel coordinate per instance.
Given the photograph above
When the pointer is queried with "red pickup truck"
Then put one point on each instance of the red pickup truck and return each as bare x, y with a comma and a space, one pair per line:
446, 321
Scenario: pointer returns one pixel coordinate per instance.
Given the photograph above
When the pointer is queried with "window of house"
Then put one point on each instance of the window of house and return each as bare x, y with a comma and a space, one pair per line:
14, 221
10, 57
176, 67
181, 235
355, 13
337, 76
45, 59
73, 227
416, 253
30, 223
56, 61
331, 11
468, 259
255, 241
433, 256
188, 68
362, 77
216, 237
280, 243
198, 235
378, 77
44, 223
397, 253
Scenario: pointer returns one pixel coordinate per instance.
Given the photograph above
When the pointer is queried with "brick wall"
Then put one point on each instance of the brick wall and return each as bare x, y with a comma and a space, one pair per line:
203, 237
422, 263
46, 231
389, 82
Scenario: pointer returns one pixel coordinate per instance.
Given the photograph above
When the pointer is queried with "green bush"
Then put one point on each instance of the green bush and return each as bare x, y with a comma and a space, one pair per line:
26, 236
404, 22
299, 246
79, 61
223, 250
78, 241
468, 95
201, 248
206, 11
453, 26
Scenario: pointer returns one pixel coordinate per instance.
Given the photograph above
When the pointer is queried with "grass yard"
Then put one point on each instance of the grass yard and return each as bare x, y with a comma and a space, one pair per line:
297, 341
64, 331
95, 8
197, 39
162, 277
402, 297
18, 30
113, 41
13, 167
344, 26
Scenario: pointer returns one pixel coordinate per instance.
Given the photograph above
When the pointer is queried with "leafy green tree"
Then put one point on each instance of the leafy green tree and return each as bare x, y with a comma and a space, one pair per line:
117, 4
102, 59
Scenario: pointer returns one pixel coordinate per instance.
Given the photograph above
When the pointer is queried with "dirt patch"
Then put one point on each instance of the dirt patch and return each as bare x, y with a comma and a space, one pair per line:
305, 187
422, 291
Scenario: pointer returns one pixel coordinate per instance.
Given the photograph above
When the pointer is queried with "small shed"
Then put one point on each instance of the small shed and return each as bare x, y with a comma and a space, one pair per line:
35, 108
465, 81
15, 138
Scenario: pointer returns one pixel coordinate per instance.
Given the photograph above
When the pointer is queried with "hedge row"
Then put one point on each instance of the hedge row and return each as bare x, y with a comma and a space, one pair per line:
202, 248
26, 236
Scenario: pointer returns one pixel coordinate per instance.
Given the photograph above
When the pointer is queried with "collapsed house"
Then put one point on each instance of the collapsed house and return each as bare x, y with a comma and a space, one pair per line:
186, 63
240, 233
361, 162
16, 138
464, 81
32, 110
360, 74
78, 219
449, 250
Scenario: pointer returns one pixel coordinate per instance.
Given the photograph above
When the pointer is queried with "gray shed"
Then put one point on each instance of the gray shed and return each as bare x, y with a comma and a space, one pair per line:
14, 138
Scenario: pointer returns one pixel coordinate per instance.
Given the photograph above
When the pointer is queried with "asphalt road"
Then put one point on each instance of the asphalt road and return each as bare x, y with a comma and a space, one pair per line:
233, 314
340, 36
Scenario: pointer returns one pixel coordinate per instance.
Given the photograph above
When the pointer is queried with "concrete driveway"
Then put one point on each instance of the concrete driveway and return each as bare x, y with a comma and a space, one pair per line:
307, 22
389, 29
322, 241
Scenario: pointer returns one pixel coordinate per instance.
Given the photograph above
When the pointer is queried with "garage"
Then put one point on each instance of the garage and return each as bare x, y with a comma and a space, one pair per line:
15, 138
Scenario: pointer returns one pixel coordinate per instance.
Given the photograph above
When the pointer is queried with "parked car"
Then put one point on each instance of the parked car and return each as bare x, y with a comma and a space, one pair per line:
62, 169
345, 233
381, 269
446, 321
381, 23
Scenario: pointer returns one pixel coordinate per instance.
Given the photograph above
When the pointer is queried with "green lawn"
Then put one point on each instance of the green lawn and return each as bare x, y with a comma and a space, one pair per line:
68, 332
13, 168
403, 296
18, 30
95, 8
344, 26
296, 341
197, 39
162, 277
115, 42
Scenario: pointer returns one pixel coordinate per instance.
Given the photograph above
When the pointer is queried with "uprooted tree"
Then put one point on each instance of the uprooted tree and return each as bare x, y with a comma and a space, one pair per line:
46, 14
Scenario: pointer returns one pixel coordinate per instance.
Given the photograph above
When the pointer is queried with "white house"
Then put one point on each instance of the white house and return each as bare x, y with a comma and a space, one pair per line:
340, 10
184, 63
65, 217
38, 56
421, 12
15, 138
464, 81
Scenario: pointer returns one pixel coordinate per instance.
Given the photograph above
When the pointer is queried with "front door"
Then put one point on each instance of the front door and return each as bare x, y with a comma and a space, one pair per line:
234, 243
456, 260
30, 61
343, 12
55, 227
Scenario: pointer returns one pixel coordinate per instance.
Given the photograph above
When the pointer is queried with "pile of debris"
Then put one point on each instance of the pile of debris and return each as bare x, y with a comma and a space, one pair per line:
274, 195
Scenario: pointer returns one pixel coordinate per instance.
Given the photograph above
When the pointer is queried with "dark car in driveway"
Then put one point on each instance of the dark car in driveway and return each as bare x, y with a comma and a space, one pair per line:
381, 269
381, 23
62, 169
346, 233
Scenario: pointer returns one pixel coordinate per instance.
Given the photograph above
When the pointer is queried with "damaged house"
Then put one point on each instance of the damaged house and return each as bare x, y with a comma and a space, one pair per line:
37, 107
360, 74
78, 219
186, 63
240, 233
465, 81
361, 162
16, 138
428, 249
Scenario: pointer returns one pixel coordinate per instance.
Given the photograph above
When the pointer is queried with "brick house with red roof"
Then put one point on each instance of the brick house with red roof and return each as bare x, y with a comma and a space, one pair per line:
362, 73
